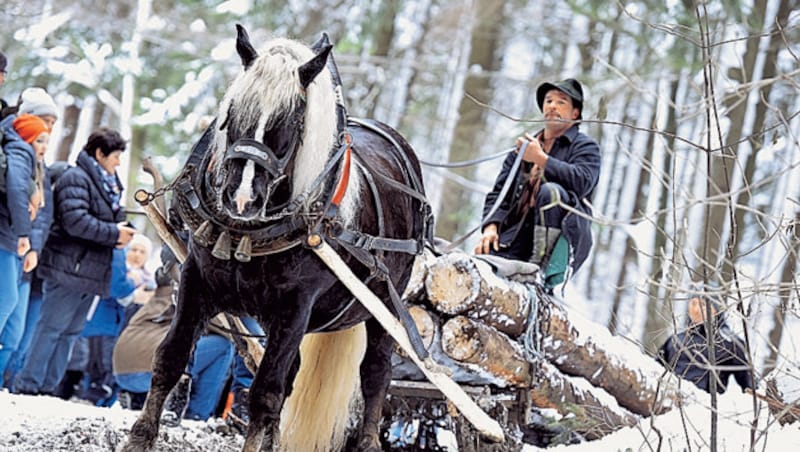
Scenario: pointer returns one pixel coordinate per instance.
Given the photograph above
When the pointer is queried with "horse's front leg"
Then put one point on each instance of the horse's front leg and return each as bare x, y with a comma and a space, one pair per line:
376, 374
272, 382
168, 365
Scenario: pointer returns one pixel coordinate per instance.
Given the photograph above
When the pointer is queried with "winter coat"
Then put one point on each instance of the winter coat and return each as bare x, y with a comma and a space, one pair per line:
137, 343
686, 354
78, 252
573, 163
15, 220
108, 315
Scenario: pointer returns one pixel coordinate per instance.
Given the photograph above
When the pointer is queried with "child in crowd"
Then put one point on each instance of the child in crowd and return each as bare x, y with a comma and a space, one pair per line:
25, 192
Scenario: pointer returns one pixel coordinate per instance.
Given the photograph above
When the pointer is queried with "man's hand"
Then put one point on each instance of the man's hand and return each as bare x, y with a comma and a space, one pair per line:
125, 234
533, 153
490, 239
23, 246
30, 262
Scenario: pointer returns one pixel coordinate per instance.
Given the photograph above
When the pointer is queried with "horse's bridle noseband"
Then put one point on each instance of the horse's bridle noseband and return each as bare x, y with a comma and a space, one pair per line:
260, 154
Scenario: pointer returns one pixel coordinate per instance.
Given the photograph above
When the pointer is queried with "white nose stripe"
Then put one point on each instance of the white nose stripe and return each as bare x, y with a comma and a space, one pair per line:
244, 193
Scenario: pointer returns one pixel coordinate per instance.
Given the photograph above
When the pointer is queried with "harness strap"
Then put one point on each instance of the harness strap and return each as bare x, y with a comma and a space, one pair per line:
377, 266
371, 242
341, 187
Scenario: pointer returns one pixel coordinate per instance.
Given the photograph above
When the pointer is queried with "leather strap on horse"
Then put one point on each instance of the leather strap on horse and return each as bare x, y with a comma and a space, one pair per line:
377, 267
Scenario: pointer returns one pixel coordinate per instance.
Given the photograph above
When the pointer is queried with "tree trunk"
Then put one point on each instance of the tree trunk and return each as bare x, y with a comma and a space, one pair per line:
787, 287
633, 388
484, 55
756, 139
723, 162
457, 288
457, 284
472, 342
581, 411
70, 126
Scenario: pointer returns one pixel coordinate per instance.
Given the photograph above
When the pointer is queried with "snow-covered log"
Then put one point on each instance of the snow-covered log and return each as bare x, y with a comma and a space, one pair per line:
581, 408
457, 284
461, 285
783, 394
643, 388
470, 341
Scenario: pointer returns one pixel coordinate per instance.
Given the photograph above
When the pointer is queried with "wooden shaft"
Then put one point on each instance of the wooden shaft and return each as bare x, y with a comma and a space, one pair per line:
482, 422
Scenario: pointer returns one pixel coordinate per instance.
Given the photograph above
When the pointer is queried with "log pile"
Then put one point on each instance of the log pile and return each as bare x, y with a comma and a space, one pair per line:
491, 330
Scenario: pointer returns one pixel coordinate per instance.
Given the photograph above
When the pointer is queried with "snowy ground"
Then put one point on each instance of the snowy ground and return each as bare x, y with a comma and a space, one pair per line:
47, 424
30, 423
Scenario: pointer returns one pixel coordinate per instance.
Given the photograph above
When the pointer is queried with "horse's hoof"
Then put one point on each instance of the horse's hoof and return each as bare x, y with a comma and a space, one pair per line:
368, 444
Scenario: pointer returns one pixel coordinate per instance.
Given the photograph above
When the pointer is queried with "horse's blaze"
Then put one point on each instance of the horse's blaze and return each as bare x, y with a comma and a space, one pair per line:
244, 192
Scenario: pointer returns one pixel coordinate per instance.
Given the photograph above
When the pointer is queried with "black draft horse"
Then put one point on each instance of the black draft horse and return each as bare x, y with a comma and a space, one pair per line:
274, 162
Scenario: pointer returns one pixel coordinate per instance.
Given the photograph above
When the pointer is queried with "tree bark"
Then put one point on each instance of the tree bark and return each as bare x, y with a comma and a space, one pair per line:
472, 342
485, 52
462, 293
70, 126
581, 410
457, 284
633, 388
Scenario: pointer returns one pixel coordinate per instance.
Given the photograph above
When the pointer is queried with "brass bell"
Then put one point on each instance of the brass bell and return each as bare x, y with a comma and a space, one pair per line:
222, 249
203, 233
244, 249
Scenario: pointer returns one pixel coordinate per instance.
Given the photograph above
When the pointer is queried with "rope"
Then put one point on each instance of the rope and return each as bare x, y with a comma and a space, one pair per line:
530, 339
465, 163
510, 180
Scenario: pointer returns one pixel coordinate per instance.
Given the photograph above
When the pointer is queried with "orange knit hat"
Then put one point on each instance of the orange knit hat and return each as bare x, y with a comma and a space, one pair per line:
29, 127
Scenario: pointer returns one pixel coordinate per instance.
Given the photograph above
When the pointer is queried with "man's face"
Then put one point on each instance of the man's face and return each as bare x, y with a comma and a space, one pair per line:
558, 110
697, 310
2, 78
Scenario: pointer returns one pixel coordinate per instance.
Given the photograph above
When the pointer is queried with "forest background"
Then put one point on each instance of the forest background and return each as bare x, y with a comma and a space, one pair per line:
695, 106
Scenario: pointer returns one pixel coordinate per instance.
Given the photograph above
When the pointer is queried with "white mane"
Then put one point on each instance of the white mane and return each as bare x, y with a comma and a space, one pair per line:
269, 88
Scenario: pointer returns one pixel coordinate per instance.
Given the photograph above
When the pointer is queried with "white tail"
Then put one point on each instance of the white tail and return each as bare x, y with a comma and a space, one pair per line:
315, 416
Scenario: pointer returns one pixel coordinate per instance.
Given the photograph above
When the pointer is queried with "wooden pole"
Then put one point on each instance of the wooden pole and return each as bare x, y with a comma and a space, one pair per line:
482, 422
168, 235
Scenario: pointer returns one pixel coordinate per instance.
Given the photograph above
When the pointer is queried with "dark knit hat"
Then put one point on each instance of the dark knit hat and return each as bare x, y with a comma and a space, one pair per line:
3, 62
570, 87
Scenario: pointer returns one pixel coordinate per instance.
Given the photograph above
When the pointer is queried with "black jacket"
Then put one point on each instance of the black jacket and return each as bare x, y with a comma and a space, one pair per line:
686, 354
574, 163
84, 233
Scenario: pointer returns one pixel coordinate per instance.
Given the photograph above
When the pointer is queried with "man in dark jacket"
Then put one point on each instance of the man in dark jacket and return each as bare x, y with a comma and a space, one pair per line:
560, 166
687, 353
76, 261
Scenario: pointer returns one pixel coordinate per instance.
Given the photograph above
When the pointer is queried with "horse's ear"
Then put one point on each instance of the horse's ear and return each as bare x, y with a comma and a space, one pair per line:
321, 42
245, 50
309, 71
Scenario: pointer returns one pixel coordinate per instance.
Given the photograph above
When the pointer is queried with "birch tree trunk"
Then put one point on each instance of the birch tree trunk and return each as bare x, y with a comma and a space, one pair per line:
486, 46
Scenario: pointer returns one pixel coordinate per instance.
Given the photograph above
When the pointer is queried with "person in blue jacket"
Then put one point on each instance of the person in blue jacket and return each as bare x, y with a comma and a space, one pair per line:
25, 139
31, 286
560, 167
75, 265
